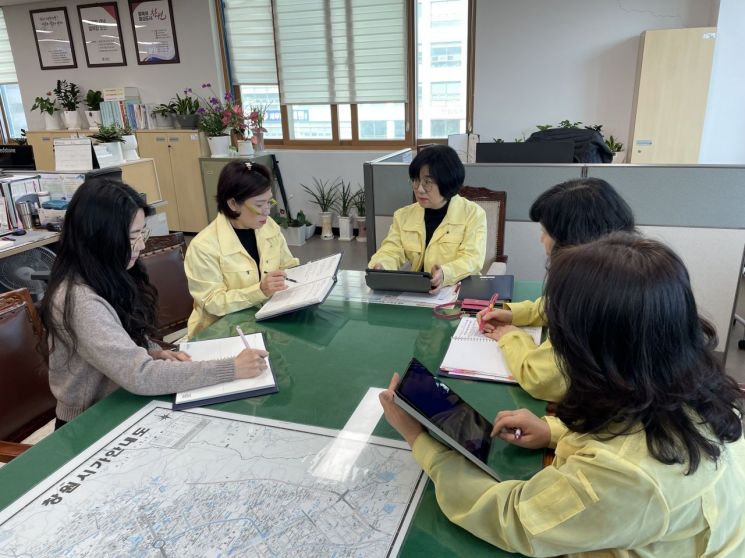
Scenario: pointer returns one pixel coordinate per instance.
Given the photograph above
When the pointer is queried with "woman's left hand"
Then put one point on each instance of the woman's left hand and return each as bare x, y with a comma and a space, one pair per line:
397, 417
170, 355
500, 331
437, 278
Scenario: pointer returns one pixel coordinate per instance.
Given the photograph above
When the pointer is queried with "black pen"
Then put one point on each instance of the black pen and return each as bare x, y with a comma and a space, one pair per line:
286, 278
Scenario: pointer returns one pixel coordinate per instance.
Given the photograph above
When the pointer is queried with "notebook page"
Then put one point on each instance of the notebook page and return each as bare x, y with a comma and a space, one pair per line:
298, 297
475, 358
468, 328
313, 271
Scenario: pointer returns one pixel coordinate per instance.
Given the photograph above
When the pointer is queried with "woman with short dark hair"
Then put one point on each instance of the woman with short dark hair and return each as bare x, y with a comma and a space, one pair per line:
99, 310
441, 233
650, 455
237, 261
571, 213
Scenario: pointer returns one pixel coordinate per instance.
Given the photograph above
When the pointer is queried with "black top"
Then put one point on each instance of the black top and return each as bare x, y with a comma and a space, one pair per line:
432, 220
248, 240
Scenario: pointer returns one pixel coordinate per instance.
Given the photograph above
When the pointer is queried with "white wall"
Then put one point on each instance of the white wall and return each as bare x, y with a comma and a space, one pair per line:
543, 61
194, 21
722, 140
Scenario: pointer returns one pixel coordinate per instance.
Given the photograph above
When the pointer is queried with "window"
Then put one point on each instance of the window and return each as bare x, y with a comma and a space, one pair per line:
445, 91
446, 55
10, 95
447, 13
266, 96
309, 121
442, 128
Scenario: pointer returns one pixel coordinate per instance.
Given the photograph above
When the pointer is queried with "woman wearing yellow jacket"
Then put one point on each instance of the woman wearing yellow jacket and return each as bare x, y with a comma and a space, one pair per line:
442, 233
237, 260
571, 213
650, 455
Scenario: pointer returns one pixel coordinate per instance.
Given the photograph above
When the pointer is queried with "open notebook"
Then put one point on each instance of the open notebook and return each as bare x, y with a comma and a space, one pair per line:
473, 355
227, 391
308, 284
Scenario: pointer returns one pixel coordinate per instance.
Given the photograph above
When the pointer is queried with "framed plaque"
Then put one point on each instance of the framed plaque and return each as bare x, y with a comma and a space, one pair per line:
53, 43
154, 31
102, 35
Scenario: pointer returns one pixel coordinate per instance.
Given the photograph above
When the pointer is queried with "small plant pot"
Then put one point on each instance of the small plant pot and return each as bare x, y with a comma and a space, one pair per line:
94, 118
258, 141
219, 145
51, 121
346, 230
310, 230
361, 229
619, 157
295, 236
72, 119
115, 148
163, 121
326, 232
187, 121
129, 148
244, 147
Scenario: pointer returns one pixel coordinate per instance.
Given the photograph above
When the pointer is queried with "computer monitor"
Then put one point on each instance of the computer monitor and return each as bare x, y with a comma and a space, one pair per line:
17, 157
525, 152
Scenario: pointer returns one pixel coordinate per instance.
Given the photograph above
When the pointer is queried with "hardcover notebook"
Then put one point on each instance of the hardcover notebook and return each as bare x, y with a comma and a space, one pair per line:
228, 391
474, 356
308, 284
482, 287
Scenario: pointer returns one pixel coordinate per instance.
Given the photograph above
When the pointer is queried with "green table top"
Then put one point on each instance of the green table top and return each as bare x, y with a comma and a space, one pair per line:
324, 359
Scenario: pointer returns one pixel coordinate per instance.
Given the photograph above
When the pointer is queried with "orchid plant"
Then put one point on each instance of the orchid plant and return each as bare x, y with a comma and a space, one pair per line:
221, 116
256, 117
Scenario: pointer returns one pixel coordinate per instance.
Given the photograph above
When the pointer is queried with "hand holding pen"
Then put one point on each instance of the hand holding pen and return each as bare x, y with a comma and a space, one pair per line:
481, 315
272, 282
250, 362
521, 428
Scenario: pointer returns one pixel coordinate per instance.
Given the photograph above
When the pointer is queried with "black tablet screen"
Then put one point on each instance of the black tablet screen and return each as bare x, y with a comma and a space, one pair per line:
436, 401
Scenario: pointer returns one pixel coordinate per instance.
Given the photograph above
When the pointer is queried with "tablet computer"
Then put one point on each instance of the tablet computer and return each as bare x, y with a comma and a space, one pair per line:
394, 280
441, 411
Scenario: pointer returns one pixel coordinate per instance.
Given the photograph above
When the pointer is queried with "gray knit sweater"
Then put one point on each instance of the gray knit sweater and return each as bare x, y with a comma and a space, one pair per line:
106, 358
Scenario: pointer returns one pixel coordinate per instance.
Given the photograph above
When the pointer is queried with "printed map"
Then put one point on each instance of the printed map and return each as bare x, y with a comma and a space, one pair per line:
208, 483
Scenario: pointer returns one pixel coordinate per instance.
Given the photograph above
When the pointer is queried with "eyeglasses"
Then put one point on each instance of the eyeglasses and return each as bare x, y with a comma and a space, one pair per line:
427, 184
144, 235
261, 208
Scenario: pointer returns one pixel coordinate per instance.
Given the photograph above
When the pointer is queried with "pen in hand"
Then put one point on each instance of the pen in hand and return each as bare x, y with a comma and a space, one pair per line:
243, 337
492, 301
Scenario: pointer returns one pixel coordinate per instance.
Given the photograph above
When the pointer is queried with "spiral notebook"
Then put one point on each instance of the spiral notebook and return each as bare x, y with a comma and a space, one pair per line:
474, 356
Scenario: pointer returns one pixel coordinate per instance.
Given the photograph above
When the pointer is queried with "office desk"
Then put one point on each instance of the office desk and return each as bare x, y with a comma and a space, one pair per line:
324, 359
32, 239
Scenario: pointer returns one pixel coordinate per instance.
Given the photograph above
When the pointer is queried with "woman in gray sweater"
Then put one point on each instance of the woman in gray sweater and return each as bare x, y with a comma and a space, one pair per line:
100, 308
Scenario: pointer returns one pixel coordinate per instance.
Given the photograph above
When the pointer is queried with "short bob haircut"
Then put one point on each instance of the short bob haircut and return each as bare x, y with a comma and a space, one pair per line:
581, 210
445, 168
240, 181
627, 335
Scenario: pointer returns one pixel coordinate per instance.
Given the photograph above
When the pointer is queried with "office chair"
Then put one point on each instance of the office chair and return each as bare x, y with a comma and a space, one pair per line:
494, 204
26, 402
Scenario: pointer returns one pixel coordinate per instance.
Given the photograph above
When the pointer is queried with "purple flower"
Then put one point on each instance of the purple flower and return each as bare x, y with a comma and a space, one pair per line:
205, 85
201, 110
214, 101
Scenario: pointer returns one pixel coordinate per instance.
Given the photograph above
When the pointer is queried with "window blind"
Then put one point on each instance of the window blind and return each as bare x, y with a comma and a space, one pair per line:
7, 67
341, 51
250, 38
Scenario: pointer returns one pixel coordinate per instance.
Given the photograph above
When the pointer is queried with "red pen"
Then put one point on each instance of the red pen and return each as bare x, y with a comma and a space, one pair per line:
492, 301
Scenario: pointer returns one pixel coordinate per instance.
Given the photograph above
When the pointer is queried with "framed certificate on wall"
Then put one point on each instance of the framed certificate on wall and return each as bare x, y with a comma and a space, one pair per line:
154, 31
102, 34
53, 43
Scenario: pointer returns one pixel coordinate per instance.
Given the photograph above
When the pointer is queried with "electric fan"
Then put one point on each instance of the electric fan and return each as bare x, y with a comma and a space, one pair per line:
27, 270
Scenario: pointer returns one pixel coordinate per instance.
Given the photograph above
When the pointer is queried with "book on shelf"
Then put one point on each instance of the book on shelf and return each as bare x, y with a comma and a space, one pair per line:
215, 349
474, 356
308, 284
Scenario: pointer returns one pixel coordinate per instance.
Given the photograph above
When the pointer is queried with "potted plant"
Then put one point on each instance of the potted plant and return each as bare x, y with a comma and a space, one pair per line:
218, 119
344, 205
310, 228
324, 195
292, 229
47, 106
256, 120
110, 137
93, 100
22, 139
68, 95
163, 115
359, 207
617, 148
185, 110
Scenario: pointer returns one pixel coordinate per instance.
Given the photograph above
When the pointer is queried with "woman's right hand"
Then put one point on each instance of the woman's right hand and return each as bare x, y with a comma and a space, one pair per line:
250, 363
272, 282
494, 318
522, 428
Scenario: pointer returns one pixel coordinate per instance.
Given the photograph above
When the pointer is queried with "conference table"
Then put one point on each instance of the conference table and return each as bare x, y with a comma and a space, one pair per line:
325, 359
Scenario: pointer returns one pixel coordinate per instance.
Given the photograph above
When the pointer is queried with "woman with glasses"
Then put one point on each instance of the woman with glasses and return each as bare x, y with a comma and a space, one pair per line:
99, 310
441, 233
237, 261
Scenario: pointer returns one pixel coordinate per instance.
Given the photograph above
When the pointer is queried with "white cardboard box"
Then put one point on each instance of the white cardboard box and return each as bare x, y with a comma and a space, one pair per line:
47, 216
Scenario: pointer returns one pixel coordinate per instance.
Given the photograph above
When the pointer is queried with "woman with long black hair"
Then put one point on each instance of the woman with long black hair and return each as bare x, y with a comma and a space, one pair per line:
650, 455
99, 309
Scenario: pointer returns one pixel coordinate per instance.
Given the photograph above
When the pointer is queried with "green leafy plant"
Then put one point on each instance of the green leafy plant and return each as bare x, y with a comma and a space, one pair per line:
68, 94
544, 127
211, 124
22, 140
344, 199
45, 104
359, 202
613, 145
323, 194
569, 124
498, 140
186, 104
164, 109
108, 134
596, 127
285, 220
302, 219
93, 99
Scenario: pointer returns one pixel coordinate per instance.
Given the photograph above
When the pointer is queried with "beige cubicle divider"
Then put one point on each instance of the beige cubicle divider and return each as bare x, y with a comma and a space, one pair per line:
142, 176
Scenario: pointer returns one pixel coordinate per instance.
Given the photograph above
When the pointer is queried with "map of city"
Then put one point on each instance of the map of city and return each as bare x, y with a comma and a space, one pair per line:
208, 483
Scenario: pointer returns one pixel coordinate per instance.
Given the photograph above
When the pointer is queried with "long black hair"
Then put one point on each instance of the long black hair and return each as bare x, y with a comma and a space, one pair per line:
624, 325
580, 210
94, 249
